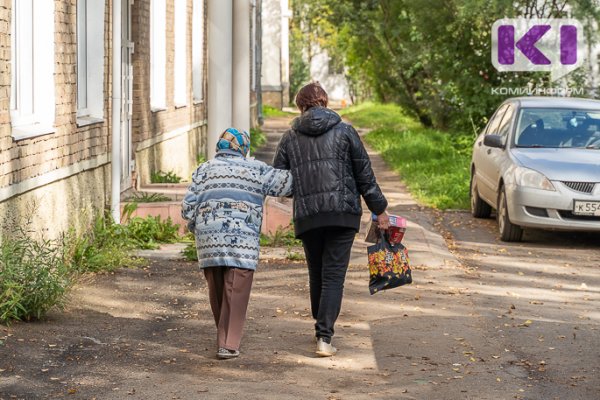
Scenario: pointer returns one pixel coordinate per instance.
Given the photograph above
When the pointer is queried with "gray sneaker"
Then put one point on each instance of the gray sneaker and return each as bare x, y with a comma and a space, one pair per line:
225, 354
325, 349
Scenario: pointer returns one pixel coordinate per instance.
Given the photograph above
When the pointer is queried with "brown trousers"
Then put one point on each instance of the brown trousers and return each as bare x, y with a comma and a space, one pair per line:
229, 293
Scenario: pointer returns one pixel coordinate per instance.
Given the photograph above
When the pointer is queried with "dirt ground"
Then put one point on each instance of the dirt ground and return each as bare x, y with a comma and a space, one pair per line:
510, 322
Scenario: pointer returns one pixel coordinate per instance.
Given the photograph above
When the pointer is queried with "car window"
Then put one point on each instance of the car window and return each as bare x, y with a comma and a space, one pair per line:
558, 127
492, 128
506, 121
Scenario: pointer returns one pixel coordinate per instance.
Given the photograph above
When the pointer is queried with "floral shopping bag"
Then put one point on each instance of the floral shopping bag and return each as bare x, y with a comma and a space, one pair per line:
388, 265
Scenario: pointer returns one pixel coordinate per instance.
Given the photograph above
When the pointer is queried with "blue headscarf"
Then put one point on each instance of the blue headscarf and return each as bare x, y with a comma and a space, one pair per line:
234, 140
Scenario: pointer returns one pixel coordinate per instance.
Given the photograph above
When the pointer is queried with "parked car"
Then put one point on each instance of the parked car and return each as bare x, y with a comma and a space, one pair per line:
537, 162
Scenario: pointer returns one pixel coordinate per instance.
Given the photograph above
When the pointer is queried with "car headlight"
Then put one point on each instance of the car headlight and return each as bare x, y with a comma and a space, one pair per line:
533, 179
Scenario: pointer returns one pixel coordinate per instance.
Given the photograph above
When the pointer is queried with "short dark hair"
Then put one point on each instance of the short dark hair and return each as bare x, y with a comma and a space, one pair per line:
311, 95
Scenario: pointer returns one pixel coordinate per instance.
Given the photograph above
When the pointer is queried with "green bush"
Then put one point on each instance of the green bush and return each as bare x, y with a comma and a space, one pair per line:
146, 233
257, 139
35, 276
104, 247
281, 237
143, 197
165, 177
189, 252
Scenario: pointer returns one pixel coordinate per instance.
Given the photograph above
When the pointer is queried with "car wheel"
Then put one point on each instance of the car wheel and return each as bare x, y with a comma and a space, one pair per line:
479, 208
509, 232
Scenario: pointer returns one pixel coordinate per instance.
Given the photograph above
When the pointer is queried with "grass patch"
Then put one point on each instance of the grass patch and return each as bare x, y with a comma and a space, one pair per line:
294, 255
104, 247
165, 177
144, 197
200, 159
433, 164
269, 112
257, 139
283, 237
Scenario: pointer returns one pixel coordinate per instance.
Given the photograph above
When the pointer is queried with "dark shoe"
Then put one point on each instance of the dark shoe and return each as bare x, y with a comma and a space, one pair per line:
225, 354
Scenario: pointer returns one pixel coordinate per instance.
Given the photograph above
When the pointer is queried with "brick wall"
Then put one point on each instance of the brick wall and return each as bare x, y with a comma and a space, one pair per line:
70, 144
146, 123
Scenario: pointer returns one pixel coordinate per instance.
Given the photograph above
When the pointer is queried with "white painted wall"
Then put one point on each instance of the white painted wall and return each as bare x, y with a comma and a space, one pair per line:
335, 85
271, 44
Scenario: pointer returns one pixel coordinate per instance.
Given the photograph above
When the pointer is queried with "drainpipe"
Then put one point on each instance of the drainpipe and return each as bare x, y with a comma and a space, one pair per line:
115, 201
220, 59
258, 61
286, 15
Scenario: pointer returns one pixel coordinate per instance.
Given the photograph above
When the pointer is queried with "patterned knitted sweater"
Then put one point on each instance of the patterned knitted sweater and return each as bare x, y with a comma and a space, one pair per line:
224, 208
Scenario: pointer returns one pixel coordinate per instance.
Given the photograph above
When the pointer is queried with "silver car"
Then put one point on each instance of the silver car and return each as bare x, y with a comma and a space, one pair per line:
537, 162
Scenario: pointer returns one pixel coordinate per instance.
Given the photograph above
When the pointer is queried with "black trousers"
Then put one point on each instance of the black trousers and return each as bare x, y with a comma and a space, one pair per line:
327, 254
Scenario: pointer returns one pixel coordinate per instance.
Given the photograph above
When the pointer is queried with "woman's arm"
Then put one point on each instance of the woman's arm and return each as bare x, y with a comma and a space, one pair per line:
364, 175
281, 159
190, 201
277, 182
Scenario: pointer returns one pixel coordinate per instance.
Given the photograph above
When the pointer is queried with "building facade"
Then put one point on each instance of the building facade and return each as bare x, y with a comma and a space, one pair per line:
330, 73
275, 81
103, 93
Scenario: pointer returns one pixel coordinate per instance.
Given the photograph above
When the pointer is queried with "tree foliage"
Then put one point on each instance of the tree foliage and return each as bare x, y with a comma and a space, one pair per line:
432, 57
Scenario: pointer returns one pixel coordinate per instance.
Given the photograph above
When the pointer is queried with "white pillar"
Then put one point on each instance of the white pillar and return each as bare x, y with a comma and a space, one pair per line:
286, 14
220, 53
241, 64
115, 198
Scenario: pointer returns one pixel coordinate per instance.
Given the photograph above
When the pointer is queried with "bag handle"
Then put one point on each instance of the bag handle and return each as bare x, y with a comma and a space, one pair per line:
385, 239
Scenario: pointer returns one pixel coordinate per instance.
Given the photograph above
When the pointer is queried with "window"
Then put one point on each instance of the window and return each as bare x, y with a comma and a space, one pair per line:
158, 54
32, 104
90, 61
492, 128
504, 127
198, 50
180, 66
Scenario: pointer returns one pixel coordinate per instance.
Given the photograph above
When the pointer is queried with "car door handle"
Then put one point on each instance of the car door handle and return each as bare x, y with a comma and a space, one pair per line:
480, 143
489, 151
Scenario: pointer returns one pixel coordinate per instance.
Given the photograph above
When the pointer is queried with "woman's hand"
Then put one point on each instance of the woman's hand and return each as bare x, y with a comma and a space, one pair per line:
383, 221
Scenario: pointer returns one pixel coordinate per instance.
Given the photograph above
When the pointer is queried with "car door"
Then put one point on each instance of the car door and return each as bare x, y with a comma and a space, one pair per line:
498, 158
481, 158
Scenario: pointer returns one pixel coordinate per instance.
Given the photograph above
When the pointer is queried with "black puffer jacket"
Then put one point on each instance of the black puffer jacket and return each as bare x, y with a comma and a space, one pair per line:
331, 170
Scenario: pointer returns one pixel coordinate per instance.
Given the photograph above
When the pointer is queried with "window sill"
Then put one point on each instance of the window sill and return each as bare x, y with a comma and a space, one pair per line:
158, 109
180, 106
86, 121
31, 131
198, 102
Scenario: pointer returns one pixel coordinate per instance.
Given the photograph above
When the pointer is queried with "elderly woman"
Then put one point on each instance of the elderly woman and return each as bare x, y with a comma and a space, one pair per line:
224, 207
331, 171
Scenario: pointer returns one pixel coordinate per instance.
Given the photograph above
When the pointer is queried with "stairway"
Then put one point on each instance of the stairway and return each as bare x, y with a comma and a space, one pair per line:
277, 210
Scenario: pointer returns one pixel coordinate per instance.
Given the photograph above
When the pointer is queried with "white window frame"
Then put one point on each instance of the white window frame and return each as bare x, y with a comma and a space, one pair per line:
90, 62
198, 51
180, 90
158, 55
32, 100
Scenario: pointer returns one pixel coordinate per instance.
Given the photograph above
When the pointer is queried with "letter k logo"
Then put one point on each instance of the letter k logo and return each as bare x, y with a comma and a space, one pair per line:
506, 42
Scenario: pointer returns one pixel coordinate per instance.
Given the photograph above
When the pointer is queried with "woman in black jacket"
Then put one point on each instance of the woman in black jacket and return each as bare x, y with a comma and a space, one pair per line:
331, 170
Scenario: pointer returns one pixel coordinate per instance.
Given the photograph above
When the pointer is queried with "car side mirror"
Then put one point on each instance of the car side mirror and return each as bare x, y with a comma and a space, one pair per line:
496, 141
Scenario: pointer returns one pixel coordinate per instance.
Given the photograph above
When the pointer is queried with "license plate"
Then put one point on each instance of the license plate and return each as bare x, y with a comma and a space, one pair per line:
586, 208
